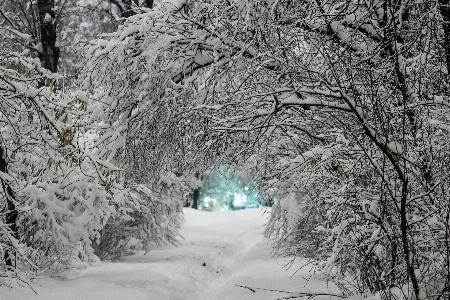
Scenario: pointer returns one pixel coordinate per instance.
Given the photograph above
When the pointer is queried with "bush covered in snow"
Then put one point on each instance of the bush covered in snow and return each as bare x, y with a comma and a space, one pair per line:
63, 196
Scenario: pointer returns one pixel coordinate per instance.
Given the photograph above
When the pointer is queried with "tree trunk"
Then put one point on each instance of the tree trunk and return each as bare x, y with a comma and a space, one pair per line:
49, 54
444, 6
11, 212
127, 9
408, 250
195, 197
149, 3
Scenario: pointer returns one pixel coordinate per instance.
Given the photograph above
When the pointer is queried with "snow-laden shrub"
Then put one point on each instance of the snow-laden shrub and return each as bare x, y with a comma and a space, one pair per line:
61, 193
56, 195
329, 212
292, 225
150, 137
151, 217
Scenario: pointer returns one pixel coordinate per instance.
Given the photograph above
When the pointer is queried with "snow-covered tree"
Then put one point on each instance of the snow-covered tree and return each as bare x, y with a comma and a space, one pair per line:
56, 195
64, 202
144, 135
349, 98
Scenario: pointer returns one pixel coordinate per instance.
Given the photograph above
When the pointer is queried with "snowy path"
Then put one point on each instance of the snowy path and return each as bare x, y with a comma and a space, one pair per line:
229, 243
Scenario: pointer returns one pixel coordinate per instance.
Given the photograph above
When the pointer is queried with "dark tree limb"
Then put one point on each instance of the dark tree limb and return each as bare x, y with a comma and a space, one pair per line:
444, 6
11, 212
296, 294
47, 25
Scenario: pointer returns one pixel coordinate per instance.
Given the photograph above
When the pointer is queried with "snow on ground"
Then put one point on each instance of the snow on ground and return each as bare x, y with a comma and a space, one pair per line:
219, 250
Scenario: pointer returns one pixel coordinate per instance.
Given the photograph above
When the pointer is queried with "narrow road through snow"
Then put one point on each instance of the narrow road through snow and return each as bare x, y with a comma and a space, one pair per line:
219, 250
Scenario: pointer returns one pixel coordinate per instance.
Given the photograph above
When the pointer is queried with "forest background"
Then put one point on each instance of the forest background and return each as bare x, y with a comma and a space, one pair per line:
112, 111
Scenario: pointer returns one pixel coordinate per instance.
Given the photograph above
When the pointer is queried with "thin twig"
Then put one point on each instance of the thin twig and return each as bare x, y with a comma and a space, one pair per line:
246, 287
298, 294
